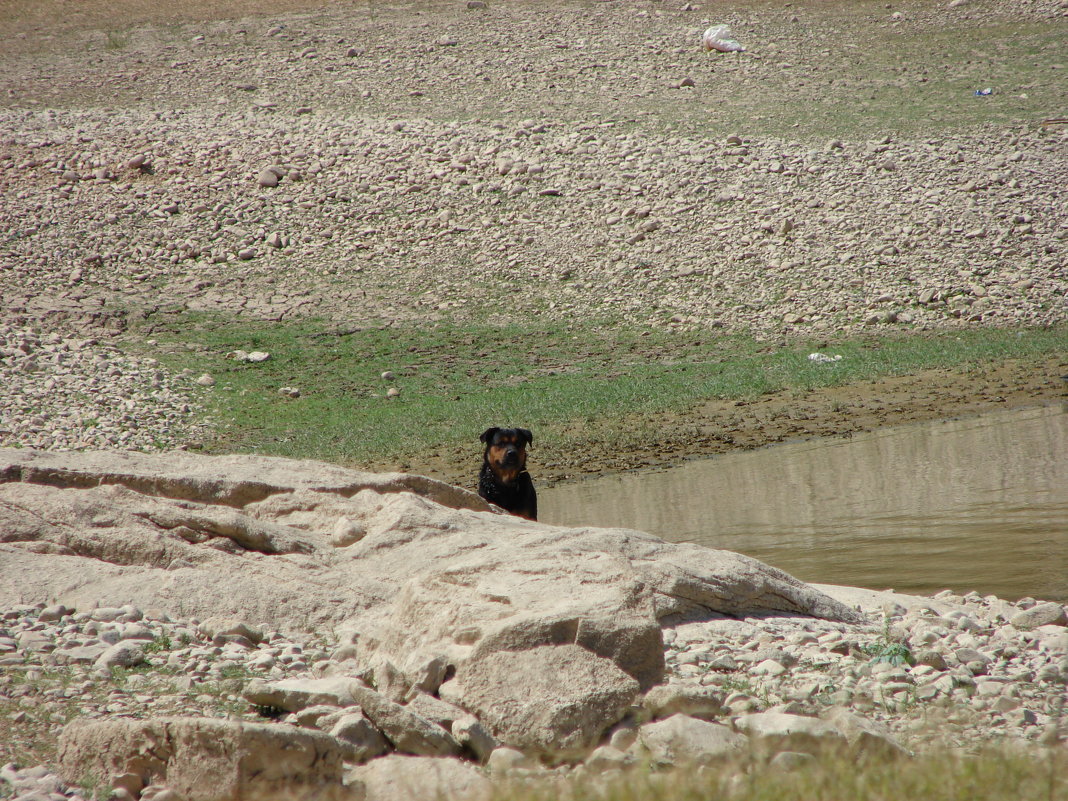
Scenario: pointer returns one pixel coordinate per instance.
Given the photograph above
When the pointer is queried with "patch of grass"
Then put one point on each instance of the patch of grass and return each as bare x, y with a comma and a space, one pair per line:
563, 382
989, 776
116, 40
159, 644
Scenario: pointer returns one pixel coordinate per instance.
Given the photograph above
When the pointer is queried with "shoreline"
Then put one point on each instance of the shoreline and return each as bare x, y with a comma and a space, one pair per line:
717, 427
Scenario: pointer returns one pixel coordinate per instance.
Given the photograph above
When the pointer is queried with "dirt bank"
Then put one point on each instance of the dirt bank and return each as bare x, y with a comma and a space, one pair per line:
722, 426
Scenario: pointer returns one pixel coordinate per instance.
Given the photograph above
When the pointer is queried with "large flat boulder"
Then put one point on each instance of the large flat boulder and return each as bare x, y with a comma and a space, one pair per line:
425, 579
205, 759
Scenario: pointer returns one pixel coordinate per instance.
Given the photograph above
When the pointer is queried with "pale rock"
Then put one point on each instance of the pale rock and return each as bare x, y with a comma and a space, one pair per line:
436, 583
1040, 615
775, 731
364, 740
789, 761
769, 667
567, 699
607, 757
268, 177
474, 737
124, 654
864, 736
681, 740
53, 612
220, 626
407, 778
296, 694
434, 709
408, 732
310, 716
206, 759
504, 760
670, 699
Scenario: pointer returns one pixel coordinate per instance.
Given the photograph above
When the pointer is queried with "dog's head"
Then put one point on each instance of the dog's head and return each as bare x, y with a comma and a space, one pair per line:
506, 451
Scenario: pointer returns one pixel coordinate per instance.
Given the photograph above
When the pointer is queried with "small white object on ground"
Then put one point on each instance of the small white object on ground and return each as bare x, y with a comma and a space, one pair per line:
718, 37
823, 358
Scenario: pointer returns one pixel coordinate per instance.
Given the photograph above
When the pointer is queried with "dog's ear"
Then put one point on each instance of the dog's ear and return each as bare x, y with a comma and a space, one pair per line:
487, 435
525, 434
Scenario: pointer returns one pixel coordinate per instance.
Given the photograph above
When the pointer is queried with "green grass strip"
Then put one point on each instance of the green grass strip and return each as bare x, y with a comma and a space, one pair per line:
456, 380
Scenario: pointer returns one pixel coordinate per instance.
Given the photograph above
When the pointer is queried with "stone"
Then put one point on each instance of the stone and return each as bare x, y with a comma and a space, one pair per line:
789, 761
293, 695
1044, 614
121, 655
607, 757
635, 644
681, 740
567, 699
53, 612
670, 699
865, 737
434, 709
205, 759
931, 658
221, 626
268, 177
474, 737
769, 667
771, 732
504, 760
407, 732
967, 656
364, 740
406, 778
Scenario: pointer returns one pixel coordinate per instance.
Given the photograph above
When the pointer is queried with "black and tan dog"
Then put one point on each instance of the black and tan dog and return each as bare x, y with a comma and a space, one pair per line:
504, 479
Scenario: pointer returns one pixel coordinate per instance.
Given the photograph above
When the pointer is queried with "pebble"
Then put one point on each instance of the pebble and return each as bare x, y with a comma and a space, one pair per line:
267, 177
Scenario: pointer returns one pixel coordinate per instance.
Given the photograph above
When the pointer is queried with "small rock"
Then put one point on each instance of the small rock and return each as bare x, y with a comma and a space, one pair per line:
364, 739
123, 655
269, 176
474, 737
1047, 614
681, 739
505, 760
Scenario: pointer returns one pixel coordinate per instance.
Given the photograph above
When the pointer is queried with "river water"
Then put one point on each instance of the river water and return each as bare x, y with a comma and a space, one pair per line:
969, 504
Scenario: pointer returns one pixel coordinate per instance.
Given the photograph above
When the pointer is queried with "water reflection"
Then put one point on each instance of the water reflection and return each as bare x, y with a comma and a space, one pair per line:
974, 504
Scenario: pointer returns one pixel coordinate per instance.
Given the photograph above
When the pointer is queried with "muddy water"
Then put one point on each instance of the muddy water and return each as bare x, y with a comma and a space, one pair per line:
975, 504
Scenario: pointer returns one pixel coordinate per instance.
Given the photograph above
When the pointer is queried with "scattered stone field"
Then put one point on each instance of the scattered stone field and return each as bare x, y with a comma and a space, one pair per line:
950, 672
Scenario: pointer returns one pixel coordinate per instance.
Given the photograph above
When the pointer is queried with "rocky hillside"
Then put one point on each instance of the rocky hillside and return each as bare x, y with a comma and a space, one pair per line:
396, 164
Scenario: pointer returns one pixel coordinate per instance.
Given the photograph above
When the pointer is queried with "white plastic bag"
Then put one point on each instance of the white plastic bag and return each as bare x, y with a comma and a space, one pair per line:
718, 37
823, 358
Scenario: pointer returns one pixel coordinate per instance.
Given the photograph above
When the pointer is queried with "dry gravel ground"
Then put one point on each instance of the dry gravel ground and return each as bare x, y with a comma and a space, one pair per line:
488, 161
